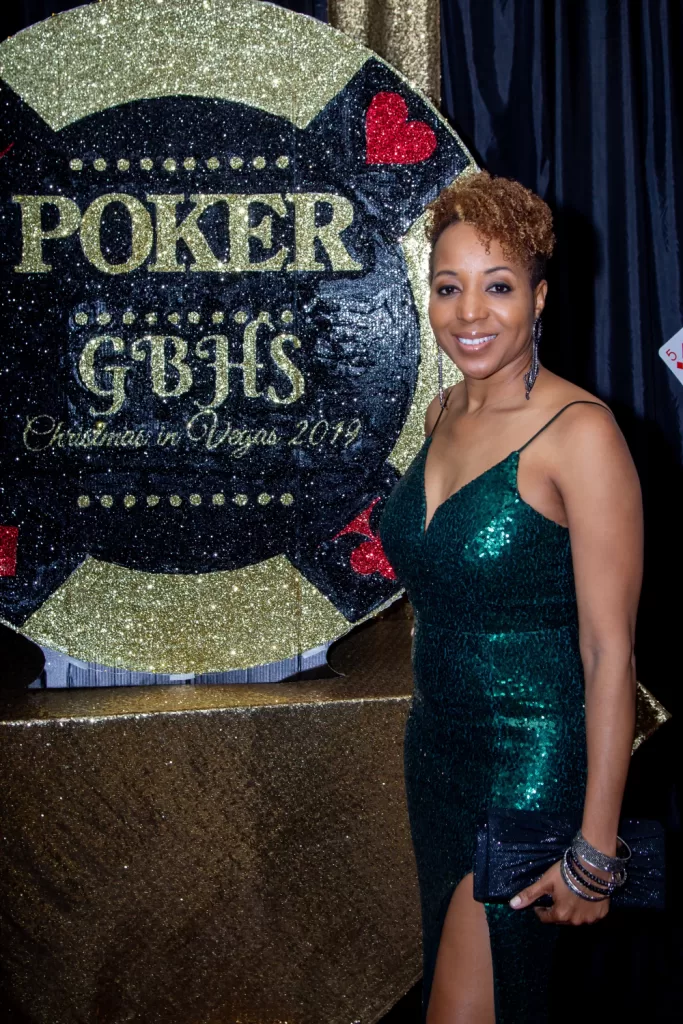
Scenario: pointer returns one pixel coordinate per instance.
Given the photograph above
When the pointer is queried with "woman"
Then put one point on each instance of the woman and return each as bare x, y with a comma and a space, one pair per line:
517, 534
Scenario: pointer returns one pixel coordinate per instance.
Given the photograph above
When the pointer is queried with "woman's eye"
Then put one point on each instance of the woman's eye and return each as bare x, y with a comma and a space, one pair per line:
446, 289
500, 288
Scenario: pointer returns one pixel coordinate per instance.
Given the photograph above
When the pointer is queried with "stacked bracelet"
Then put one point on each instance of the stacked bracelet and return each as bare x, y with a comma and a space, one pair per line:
615, 865
567, 878
583, 882
572, 872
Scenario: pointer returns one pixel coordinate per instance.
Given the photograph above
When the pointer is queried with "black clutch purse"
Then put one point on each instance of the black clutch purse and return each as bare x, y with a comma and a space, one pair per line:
514, 848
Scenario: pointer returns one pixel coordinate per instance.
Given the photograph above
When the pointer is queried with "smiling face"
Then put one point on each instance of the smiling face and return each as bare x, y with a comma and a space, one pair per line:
481, 305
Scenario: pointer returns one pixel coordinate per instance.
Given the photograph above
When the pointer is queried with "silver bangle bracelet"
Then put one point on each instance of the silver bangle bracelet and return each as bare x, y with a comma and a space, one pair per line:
574, 888
615, 882
583, 849
604, 887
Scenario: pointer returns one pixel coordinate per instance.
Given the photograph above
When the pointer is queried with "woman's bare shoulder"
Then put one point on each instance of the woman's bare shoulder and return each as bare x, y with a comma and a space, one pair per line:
559, 393
586, 434
583, 428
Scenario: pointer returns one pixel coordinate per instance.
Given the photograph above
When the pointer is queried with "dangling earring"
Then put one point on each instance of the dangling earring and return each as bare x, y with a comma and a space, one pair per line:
530, 377
440, 362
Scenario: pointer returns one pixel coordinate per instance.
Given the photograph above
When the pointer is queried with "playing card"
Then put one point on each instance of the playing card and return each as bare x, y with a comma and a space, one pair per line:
672, 354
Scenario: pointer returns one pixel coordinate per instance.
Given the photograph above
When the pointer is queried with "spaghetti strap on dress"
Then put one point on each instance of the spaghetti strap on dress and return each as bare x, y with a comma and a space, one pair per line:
497, 714
578, 401
438, 417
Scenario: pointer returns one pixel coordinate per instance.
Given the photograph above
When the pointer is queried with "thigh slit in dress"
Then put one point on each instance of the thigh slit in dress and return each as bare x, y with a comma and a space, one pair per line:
497, 716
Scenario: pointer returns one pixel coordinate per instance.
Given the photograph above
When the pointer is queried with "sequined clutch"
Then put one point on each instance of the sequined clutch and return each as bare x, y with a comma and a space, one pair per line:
514, 848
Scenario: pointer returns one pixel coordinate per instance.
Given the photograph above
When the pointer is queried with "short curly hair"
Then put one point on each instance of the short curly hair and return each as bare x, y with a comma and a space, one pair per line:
499, 208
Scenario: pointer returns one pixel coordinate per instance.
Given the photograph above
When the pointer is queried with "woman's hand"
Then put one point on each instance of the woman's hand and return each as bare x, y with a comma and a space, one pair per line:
567, 908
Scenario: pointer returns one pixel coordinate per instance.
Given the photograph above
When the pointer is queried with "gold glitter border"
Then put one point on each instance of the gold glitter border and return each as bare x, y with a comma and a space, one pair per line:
118, 51
203, 622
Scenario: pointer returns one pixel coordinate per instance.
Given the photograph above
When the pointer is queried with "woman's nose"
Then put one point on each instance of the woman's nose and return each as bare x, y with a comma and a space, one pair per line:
471, 306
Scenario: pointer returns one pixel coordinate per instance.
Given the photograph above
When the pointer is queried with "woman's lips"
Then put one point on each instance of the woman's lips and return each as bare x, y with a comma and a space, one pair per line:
473, 343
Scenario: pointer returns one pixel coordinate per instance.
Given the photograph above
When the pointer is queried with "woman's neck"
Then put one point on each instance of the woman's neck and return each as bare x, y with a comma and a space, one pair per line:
501, 389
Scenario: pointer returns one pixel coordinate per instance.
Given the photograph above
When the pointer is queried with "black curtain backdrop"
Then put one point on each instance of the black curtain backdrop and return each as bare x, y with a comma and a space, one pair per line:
581, 100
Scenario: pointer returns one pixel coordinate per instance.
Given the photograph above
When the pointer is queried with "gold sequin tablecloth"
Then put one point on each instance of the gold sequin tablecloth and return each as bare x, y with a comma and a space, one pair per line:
212, 854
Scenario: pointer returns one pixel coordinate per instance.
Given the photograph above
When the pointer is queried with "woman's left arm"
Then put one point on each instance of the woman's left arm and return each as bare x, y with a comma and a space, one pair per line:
601, 492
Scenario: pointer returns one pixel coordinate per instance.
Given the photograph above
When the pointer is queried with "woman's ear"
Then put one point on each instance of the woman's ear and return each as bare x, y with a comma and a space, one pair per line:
540, 292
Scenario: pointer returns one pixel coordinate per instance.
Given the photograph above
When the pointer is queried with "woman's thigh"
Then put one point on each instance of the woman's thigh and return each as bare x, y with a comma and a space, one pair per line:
462, 989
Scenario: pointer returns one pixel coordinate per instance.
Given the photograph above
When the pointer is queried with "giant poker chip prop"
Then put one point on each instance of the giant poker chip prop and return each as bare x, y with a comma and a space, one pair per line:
215, 350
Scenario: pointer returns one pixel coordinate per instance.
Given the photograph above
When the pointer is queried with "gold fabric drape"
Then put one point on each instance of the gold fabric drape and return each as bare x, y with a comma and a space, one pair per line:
211, 854
650, 714
406, 35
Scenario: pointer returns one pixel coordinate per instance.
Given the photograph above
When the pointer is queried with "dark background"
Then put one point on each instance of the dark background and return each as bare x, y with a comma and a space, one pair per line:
581, 101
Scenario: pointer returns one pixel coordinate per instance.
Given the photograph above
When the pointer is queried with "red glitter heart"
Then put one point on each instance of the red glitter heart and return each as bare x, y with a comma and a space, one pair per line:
390, 137
369, 556
8, 550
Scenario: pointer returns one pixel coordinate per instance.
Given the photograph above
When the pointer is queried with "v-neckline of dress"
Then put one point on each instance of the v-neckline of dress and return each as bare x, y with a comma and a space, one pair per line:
426, 526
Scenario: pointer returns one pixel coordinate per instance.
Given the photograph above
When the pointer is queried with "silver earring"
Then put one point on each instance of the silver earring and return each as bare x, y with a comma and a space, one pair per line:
440, 362
530, 377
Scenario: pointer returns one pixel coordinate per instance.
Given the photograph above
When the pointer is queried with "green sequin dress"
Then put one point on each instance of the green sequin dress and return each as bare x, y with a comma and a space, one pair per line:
497, 716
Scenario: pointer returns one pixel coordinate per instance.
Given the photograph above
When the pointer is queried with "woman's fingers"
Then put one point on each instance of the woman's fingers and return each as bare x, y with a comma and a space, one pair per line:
529, 895
558, 913
566, 908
